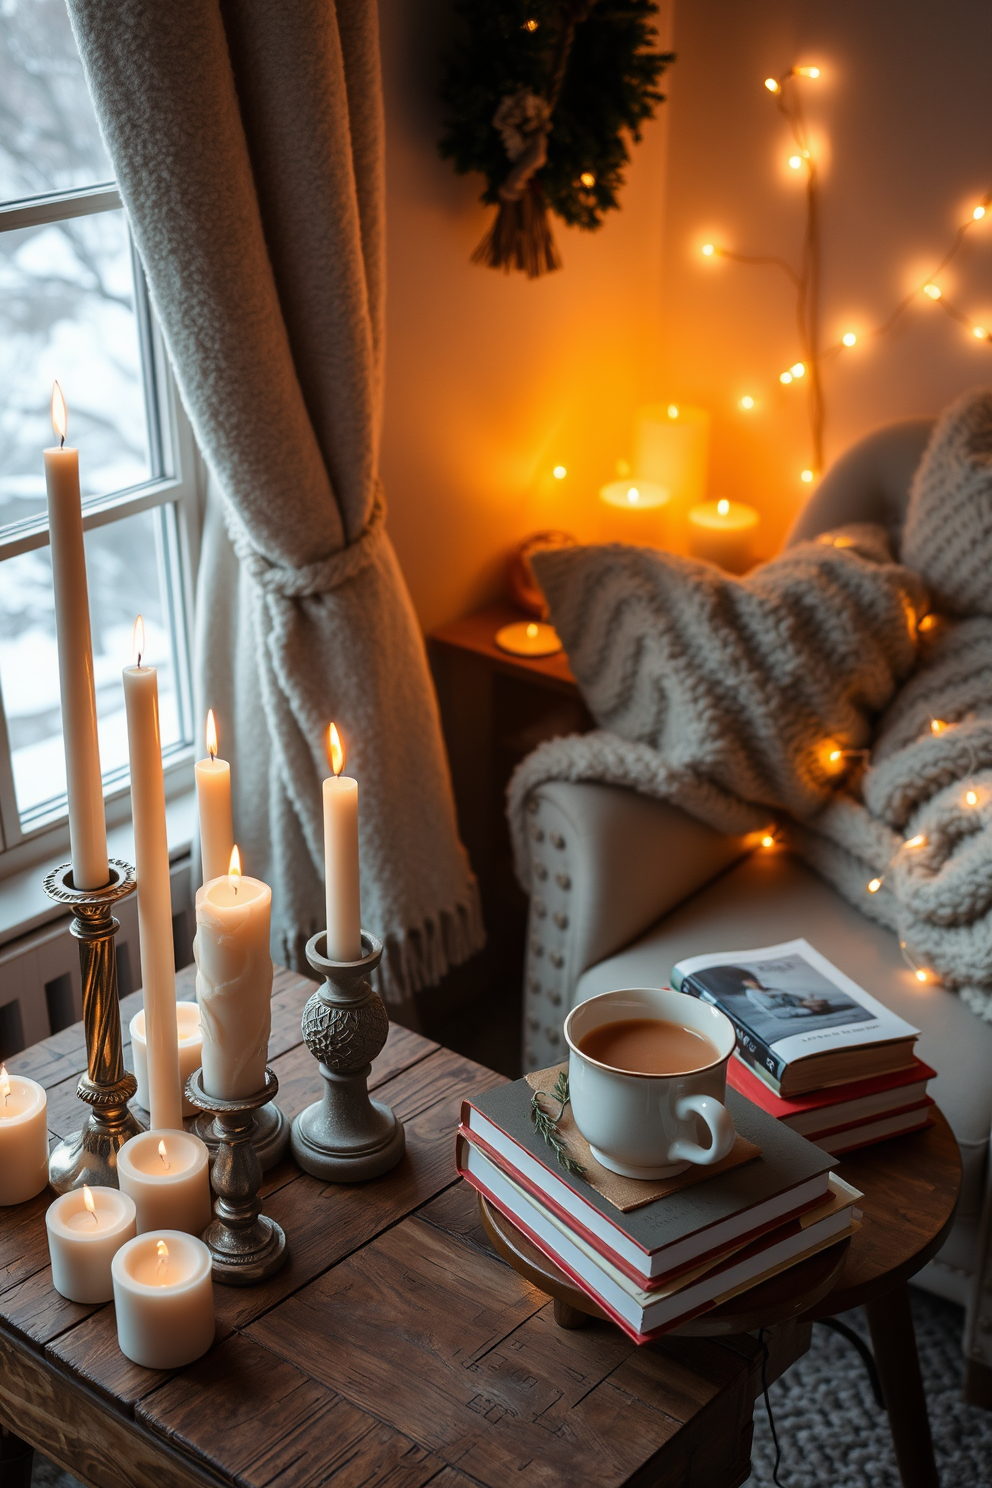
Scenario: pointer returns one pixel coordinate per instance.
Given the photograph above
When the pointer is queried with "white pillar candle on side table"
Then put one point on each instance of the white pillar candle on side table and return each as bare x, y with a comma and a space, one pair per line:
671, 446
86, 1228
164, 1299
724, 532
341, 871
167, 1174
84, 779
151, 854
633, 511
213, 801
234, 982
23, 1138
190, 1044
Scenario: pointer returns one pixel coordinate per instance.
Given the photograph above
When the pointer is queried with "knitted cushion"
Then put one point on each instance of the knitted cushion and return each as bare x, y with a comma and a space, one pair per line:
948, 532
751, 684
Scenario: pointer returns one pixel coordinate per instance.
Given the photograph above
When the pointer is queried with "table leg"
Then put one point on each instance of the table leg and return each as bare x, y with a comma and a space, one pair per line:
894, 1343
16, 1460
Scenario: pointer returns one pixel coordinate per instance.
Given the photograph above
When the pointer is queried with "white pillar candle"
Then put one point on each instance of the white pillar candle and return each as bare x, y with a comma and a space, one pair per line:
341, 873
724, 532
633, 511
190, 1044
151, 854
164, 1299
23, 1138
234, 982
671, 446
213, 800
84, 780
86, 1229
167, 1174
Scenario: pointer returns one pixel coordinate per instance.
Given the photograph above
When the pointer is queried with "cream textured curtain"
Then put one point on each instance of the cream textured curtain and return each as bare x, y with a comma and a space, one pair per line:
248, 142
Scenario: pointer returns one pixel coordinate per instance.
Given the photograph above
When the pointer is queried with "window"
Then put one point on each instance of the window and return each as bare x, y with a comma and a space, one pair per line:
74, 306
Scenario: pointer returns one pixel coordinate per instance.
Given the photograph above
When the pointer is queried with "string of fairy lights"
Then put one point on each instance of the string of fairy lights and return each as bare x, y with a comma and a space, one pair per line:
805, 280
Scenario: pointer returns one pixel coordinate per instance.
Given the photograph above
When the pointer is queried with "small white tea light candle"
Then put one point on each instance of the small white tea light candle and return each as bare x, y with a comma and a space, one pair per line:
723, 532
167, 1174
528, 638
190, 1044
634, 511
164, 1299
86, 1229
234, 981
23, 1138
213, 800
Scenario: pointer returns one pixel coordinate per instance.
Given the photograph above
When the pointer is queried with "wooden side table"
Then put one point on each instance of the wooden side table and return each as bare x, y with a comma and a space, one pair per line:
910, 1186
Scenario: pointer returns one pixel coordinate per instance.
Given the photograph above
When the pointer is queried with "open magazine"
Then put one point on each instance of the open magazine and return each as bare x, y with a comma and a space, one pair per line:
801, 1023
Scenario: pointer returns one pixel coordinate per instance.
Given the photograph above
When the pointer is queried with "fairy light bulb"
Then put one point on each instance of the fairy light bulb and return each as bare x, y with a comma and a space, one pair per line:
980, 333
933, 291
971, 798
874, 885
806, 476
937, 725
921, 975
768, 840
708, 250
785, 378
798, 369
918, 841
559, 472
587, 179
773, 85
795, 161
849, 338
747, 402
808, 72
978, 213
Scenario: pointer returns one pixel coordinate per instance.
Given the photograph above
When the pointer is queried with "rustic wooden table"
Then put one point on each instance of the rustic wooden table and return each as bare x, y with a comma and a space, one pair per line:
394, 1347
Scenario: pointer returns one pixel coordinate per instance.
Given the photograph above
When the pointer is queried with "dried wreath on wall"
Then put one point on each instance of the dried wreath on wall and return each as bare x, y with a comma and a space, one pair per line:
542, 96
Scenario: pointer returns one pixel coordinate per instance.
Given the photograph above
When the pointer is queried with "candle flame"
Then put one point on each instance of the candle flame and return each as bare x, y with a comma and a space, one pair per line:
234, 868
89, 1202
138, 640
4, 1083
162, 1251
165, 1163
532, 630
633, 495
60, 414
335, 749
723, 507
211, 734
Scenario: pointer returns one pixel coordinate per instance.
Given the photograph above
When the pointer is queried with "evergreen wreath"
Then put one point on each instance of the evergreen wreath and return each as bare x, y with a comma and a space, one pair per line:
541, 96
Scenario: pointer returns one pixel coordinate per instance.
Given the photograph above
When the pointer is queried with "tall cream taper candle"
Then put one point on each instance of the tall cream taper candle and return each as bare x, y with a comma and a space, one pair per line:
151, 854
341, 869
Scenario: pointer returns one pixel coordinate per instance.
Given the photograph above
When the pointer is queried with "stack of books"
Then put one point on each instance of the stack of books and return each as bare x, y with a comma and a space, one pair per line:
814, 1049
689, 1243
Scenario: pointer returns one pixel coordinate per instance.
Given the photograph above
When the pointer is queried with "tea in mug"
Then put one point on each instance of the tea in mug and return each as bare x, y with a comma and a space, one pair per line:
649, 1046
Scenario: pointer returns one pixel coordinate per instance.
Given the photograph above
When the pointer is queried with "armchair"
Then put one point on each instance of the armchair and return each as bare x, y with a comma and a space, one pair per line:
624, 887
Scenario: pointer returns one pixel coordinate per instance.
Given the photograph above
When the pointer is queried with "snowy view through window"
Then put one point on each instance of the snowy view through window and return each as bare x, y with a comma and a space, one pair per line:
67, 311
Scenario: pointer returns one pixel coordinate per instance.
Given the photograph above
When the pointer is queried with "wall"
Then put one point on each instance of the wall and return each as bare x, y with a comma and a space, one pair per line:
903, 118
492, 380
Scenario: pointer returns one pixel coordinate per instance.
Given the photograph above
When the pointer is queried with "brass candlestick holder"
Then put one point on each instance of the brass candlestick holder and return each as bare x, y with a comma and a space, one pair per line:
90, 1155
346, 1137
245, 1245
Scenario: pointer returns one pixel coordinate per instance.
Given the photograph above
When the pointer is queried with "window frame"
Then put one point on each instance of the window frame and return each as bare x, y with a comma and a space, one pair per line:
180, 482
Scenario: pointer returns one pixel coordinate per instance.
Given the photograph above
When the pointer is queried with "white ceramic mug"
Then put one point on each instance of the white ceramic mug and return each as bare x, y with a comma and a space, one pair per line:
648, 1126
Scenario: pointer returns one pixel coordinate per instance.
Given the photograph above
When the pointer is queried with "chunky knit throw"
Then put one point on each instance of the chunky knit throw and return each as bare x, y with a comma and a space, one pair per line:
717, 694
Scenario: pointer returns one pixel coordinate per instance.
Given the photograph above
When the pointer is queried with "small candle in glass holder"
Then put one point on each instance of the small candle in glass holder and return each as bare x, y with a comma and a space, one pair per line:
723, 532
167, 1174
86, 1228
164, 1299
23, 1138
528, 638
190, 1050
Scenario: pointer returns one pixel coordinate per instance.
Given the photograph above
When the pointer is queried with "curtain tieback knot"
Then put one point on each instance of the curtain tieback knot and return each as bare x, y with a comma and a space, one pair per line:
313, 579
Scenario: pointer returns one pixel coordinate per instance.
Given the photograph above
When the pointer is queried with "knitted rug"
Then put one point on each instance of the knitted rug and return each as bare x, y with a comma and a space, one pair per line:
831, 1432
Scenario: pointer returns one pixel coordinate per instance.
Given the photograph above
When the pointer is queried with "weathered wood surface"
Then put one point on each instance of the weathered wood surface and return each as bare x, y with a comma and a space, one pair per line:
395, 1347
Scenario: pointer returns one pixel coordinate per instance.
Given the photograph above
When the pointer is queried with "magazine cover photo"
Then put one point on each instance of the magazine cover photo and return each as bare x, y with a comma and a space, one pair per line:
780, 996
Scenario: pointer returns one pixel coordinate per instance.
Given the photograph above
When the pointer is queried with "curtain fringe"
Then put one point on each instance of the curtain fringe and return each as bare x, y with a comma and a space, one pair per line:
414, 958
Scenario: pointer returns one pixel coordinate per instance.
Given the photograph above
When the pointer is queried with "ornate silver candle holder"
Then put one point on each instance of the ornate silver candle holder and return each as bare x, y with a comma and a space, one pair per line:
346, 1137
90, 1155
270, 1134
245, 1246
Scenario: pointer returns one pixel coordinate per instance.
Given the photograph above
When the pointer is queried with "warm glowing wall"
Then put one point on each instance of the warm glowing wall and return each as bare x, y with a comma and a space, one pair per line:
903, 112
493, 380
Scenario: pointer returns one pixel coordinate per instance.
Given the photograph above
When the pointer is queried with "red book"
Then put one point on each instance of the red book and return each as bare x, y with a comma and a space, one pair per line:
838, 1107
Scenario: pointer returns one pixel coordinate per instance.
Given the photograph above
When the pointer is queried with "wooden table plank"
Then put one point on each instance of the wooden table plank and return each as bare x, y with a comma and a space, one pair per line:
264, 1422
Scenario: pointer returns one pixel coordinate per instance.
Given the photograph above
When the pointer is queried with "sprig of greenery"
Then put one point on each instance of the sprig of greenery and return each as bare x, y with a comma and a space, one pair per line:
547, 1126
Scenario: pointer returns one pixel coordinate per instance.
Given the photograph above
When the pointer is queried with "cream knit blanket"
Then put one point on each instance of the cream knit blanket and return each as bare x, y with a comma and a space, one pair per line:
729, 698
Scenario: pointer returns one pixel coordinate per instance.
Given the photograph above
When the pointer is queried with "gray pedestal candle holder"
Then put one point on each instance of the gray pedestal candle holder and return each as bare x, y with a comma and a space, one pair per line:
346, 1137
90, 1155
245, 1246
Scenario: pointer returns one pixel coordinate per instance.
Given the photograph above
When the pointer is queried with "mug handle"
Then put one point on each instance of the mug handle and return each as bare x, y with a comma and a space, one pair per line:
721, 1126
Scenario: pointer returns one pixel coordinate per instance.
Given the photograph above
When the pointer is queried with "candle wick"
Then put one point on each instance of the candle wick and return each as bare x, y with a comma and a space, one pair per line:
93, 1216
61, 441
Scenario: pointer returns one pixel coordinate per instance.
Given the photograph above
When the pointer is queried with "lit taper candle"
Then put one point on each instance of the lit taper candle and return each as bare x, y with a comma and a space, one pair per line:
84, 781
151, 856
213, 799
341, 880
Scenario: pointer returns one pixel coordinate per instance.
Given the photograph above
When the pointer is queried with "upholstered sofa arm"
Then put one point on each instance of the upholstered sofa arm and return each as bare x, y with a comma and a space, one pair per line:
606, 863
